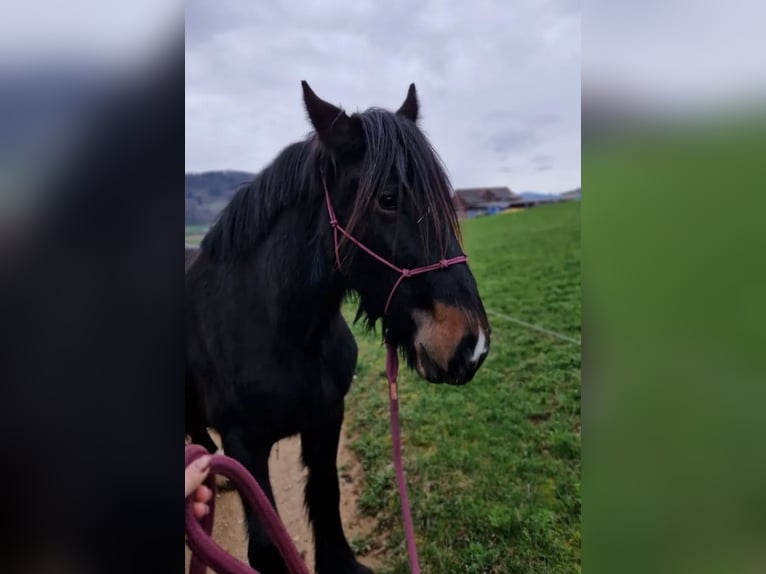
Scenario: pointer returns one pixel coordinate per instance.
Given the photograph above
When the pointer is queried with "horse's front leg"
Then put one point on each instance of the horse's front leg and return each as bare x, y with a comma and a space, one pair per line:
332, 552
253, 454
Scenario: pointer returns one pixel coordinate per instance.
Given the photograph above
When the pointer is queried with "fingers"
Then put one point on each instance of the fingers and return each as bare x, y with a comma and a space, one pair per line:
201, 509
203, 494
201, 498
196, 473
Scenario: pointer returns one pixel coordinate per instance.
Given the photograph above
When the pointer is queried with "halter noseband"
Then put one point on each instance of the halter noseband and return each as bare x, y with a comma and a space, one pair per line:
403, 273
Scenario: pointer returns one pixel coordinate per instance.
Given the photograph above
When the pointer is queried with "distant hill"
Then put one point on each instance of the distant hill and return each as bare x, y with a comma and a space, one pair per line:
207, 193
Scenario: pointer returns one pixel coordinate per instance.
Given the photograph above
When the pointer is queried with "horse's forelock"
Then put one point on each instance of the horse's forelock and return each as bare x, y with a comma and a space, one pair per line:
394, 144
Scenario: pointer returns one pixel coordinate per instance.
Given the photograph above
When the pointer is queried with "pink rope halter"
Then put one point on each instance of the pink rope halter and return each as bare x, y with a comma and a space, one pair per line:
403, 273
392, 368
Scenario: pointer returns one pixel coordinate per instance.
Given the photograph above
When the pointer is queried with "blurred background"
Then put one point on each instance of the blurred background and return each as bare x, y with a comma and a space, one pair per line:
674, 140
91, 144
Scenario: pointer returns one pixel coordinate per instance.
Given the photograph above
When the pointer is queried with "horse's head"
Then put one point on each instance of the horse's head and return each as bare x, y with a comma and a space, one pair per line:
390, 191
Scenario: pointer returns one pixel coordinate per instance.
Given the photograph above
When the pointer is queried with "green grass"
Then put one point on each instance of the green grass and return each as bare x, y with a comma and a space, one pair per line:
493, 468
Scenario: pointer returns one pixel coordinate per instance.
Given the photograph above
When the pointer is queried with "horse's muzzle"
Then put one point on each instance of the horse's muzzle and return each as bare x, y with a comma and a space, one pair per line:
450, 343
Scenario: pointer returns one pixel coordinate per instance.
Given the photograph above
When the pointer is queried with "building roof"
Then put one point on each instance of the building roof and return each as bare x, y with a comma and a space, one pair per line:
484, 197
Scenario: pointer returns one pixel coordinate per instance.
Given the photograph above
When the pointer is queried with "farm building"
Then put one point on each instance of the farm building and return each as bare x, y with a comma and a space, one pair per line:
572, 195
477, 201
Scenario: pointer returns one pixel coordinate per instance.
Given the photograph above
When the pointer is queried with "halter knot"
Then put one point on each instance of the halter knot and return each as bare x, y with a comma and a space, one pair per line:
443, 263
333, 222
406, 273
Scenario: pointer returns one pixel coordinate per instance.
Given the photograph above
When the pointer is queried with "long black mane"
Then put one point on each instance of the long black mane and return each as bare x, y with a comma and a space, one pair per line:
249, 216
393, 145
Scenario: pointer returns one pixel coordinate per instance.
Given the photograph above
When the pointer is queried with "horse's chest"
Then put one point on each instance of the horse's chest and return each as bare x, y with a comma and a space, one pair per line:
280, 392
291, 399
319, 396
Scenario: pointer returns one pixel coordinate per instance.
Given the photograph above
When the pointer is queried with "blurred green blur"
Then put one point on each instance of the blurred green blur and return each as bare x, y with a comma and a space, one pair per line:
674, 392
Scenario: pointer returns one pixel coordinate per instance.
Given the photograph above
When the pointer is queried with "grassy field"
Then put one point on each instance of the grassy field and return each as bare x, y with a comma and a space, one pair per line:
493, 467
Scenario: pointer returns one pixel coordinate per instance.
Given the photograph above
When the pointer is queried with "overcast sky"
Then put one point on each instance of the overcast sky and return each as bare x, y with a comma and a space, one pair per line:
499, 81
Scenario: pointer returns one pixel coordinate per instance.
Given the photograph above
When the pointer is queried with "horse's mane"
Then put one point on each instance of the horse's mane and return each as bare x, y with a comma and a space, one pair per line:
249, 216
393, 145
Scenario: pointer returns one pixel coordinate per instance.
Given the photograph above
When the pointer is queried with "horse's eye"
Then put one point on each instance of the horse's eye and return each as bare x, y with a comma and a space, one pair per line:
387, 201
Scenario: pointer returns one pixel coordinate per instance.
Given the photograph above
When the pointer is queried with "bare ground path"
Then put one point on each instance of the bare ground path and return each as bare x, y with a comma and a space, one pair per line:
288, 478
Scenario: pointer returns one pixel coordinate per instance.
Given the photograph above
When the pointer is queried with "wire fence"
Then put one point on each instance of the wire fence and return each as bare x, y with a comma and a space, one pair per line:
535, 327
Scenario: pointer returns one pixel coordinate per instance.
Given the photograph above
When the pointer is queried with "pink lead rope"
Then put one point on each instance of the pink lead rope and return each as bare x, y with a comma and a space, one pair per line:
205, 552
392, 370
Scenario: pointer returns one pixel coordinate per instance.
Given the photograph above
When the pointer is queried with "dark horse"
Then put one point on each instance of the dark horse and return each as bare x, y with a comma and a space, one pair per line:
269, 354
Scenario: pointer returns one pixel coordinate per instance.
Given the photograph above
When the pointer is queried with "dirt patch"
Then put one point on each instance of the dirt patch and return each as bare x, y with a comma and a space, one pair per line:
287, 479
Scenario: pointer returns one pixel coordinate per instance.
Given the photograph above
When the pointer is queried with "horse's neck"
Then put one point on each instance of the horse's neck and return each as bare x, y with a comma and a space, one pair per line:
309, 291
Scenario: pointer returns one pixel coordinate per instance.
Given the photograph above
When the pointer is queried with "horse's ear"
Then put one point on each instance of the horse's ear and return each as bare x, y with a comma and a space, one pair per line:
333, 127
410, 108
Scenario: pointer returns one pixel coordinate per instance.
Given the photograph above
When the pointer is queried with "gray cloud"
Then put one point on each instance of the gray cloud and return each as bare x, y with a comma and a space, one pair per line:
512, 140
542, 162
498, 81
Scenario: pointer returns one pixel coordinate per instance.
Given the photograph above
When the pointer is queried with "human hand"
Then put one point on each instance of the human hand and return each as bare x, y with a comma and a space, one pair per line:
196, 473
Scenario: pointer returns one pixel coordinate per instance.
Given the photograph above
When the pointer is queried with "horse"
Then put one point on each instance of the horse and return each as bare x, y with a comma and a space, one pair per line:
268, 352
195, 420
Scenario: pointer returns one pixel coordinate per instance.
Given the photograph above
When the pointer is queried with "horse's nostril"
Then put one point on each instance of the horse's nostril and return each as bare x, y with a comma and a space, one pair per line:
461, 363
432, 371
466, 357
